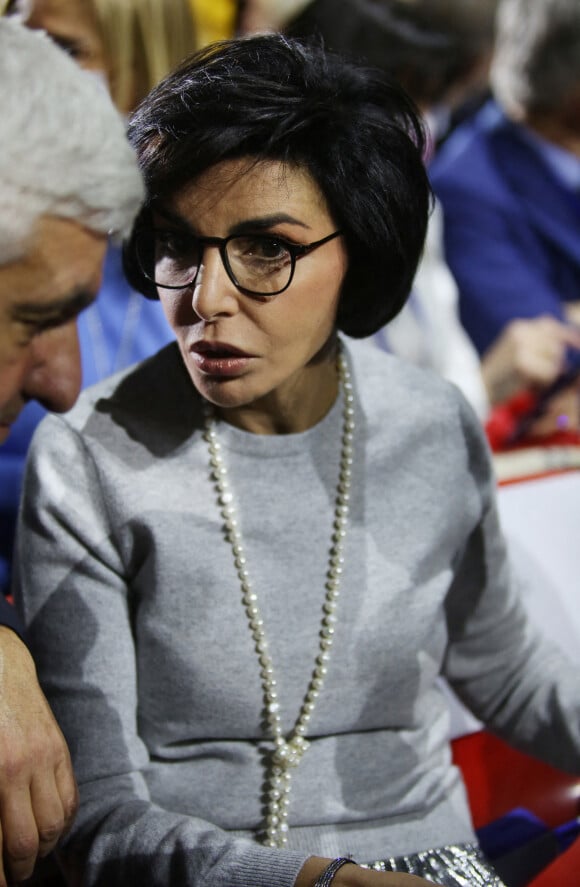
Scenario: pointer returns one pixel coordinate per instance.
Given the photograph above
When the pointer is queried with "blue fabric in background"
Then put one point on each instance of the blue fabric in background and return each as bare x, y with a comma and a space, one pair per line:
520, 845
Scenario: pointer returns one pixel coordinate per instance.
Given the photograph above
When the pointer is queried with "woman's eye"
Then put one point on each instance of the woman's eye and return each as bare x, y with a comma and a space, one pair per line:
272, 249
172, 243
263, 248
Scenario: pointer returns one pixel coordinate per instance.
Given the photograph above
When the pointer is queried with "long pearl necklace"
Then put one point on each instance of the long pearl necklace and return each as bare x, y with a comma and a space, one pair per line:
288, 751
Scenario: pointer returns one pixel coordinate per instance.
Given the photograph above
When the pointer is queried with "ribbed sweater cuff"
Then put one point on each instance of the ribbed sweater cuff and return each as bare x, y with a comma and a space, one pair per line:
271, 867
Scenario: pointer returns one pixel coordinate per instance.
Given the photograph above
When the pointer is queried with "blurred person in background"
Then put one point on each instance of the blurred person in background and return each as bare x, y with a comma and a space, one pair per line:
509, 183
72, 25
439, 50
143, 41
53, 237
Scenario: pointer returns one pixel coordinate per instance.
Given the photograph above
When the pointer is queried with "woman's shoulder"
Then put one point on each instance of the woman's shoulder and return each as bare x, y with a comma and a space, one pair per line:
410, 408
384, 378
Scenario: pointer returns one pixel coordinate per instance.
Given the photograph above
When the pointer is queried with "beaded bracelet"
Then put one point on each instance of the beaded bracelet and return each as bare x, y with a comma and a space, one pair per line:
325, 879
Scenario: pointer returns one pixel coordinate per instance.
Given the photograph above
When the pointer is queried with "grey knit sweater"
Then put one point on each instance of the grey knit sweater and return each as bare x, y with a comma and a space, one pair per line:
134, 610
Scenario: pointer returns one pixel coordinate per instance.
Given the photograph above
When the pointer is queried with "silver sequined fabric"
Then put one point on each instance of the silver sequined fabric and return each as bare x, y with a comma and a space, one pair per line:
457, 865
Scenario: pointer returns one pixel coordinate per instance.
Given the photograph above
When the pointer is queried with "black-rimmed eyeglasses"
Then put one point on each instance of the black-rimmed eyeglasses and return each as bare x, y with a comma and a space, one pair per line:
257, 264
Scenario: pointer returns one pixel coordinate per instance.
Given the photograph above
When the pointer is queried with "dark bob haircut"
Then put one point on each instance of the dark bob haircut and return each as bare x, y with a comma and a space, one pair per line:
354, 130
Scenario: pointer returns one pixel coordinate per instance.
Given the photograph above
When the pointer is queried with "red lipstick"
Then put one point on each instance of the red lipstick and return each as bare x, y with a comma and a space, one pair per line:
219, 358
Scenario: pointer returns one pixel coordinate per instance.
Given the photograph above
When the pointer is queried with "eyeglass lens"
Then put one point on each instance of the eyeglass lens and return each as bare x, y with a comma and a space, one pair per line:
258, 263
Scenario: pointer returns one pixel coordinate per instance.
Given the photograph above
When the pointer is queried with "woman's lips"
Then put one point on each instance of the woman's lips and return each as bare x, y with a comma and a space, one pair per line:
217, 359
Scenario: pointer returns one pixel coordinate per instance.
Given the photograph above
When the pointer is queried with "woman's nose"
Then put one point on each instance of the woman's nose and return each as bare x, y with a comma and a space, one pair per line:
214, 294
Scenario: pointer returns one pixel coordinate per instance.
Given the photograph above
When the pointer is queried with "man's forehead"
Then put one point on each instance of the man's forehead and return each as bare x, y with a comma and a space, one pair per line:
59, 272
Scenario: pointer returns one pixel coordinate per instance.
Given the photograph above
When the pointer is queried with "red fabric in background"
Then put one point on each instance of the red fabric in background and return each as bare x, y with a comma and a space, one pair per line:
499, 778
563, 872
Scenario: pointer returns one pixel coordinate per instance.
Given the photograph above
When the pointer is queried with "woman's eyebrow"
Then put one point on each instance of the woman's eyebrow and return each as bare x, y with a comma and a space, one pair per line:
259, 223
262, 223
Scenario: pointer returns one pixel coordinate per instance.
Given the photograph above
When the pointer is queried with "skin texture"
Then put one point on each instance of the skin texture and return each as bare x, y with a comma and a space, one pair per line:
531, 353
41, 295
289, 382
353, 876
38, 795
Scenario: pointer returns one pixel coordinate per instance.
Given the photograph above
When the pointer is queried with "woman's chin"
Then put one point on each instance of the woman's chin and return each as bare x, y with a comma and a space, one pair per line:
224, 394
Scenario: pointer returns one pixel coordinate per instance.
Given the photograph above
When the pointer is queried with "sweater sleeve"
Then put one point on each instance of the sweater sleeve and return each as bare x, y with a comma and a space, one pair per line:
500, 665
72, 592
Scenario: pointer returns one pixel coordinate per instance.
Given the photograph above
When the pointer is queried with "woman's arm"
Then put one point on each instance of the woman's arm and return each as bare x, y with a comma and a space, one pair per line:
501, 666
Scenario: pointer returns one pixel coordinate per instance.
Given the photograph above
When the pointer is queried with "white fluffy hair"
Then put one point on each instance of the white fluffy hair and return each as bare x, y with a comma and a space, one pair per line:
536, 64
63, 149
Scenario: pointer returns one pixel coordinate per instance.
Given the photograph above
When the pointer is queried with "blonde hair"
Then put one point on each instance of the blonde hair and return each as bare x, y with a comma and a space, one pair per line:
144, 41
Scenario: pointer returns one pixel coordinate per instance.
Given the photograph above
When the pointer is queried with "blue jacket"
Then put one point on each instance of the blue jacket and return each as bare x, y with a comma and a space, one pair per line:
121, 328
512, 231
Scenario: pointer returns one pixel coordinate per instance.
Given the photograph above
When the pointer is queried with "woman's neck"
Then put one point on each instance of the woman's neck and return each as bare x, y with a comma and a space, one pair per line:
299, 404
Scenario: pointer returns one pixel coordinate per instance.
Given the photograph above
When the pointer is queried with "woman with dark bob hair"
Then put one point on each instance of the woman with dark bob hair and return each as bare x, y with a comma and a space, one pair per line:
246, 562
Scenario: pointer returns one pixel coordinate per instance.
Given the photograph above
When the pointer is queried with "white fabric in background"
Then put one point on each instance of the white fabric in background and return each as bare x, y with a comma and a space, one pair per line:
428, 331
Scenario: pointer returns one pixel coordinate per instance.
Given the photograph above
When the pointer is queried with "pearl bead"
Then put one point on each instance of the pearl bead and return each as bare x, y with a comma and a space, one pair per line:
288, 752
